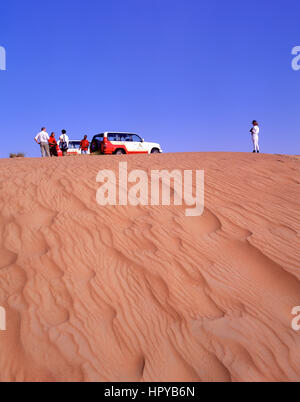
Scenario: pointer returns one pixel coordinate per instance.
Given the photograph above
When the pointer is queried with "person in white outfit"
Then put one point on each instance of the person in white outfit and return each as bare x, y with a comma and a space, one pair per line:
64, 142
254, 132
43, 140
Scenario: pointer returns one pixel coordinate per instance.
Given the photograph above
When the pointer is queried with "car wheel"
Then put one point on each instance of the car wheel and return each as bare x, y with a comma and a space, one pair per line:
155, 151
120, 152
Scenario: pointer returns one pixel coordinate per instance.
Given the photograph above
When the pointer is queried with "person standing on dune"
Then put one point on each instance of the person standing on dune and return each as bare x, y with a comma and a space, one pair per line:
64, 142
254, 132
53, 145
84, 145
42, 139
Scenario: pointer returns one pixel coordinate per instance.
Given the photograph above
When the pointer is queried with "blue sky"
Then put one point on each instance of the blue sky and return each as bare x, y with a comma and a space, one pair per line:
188, 74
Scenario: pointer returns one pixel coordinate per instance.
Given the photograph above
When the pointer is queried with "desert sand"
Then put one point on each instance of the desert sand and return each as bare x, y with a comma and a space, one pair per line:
129, 293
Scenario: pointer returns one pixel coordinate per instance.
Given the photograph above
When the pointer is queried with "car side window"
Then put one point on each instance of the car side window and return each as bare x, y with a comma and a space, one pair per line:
112, 137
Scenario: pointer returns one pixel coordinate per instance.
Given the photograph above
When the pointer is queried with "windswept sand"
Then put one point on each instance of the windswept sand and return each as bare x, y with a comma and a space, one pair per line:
144, 293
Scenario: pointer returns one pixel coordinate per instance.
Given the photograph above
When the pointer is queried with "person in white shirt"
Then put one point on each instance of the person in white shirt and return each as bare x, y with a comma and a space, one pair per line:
64, 142
42, 139
254, 132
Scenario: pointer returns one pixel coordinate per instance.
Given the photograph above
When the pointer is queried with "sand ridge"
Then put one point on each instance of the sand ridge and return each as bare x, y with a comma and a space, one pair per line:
145, 293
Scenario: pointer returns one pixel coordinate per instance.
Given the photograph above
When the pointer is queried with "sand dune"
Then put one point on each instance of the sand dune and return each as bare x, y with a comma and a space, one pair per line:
145, 293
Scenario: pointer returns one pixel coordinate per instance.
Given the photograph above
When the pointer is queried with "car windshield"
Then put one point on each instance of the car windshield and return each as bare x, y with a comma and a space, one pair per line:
136, 138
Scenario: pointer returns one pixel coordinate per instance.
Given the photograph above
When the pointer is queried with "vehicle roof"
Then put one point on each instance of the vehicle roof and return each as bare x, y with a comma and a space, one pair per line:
116, 132
122, 132
74, 140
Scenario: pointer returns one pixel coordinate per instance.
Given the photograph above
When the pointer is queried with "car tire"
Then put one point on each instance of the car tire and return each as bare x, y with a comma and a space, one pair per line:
120, 152
155, 151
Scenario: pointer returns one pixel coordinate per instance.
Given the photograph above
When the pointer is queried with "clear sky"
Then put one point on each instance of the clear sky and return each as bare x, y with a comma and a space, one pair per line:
189, 74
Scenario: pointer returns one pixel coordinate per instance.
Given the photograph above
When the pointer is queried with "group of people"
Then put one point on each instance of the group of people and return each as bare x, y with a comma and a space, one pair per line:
49, 145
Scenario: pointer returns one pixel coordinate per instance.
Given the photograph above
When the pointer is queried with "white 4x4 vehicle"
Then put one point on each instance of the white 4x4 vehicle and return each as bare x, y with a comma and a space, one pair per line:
123, 143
